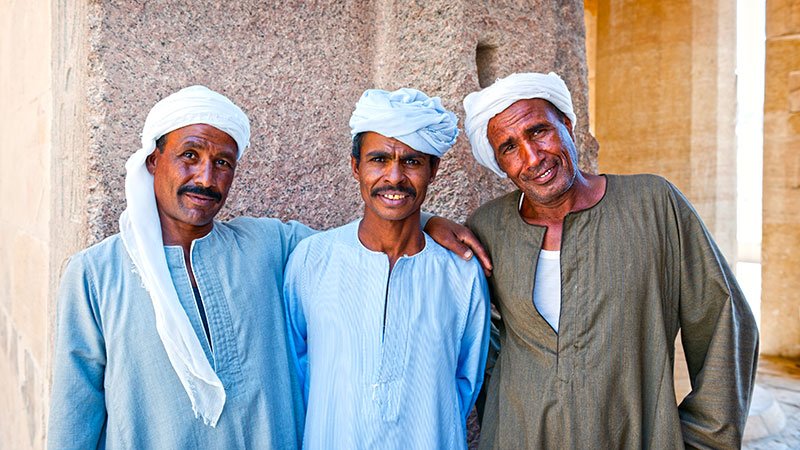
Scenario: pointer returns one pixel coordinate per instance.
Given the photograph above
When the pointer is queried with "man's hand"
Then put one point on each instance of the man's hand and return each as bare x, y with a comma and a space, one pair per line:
459, 240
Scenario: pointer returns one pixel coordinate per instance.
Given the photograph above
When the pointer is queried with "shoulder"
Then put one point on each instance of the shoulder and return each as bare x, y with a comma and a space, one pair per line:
264, 229
89, 272
98, 256
324, 241
344, 234
251, 226
494, 211
640, 184
639, 192
445, 260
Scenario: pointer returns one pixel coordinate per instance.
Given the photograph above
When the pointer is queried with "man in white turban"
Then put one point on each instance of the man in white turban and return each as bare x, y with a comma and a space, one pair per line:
389, 330
594, 275
171, 334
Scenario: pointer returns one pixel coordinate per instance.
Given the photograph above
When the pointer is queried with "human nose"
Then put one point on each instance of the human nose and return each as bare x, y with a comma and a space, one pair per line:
394, 172
531, 154
204, 175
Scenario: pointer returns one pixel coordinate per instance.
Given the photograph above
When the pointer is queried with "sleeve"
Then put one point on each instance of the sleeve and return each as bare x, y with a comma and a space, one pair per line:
296, 320
494, 329
77, 401
474, 345
295, 232
719, 336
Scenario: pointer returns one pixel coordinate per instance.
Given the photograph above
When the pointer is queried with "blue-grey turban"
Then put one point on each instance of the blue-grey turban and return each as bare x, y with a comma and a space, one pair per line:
408, 115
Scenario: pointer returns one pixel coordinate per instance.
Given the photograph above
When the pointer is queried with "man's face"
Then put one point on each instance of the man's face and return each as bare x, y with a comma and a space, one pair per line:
534, 146
192, 176
393, 177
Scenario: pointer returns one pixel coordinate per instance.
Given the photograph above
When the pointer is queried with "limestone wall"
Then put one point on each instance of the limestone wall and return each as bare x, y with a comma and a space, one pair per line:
666, 100
78, 78
780, 258
25, 149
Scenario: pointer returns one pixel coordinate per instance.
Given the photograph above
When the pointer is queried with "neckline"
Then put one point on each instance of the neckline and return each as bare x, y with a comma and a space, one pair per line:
359, 244
521, 196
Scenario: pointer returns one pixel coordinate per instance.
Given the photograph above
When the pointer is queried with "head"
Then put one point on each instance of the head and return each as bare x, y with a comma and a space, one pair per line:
398, 138
482, 106
533, 143
193, 169
191, 142
393, 177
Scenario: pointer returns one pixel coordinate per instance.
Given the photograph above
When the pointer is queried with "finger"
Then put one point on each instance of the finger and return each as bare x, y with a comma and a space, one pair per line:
459, 248
477, 249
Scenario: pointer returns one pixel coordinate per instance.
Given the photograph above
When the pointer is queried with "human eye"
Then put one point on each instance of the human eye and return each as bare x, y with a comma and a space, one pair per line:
224, 163
412, 161
507, 148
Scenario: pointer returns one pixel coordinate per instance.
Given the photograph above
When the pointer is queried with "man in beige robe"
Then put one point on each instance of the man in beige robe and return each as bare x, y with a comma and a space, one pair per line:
594, 276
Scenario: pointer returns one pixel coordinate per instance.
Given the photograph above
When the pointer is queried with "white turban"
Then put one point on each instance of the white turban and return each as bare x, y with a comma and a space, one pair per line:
140, 229
409, 116
481, 106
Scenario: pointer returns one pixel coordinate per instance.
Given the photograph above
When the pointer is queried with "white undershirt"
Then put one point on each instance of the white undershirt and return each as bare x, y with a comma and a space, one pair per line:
547, 286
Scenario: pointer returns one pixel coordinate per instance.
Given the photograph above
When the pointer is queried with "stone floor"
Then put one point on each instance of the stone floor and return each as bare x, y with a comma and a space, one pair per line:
781, 377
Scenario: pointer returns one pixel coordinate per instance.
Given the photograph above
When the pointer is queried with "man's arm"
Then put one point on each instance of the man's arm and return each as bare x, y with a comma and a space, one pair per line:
474, 346
459, 240
77, 401
296, 320
719, 336
295, 232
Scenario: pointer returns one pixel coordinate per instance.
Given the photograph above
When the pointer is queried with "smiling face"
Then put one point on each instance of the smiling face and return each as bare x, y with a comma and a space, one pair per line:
534, 145
393, 177
191, 178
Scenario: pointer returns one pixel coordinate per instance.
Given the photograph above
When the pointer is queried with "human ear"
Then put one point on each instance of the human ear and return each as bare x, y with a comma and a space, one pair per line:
435, 168
354, 167
150, 162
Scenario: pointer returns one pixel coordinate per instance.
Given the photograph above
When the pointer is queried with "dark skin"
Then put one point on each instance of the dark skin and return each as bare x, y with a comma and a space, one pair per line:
191, 179
393, 180
535, 146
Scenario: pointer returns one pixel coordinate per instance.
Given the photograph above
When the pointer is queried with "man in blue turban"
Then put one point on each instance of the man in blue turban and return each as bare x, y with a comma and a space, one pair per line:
389, 330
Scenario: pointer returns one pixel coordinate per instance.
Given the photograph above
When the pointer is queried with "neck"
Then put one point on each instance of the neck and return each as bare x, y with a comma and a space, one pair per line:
585, 192
183, 235
393, 237
178, 233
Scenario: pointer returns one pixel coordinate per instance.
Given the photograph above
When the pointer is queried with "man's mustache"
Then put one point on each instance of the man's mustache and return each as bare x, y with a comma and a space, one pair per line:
405, 189
204, 191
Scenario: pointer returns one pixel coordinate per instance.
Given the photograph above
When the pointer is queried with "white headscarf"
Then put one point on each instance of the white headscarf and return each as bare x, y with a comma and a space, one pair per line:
481, 106
409, 116
140, 229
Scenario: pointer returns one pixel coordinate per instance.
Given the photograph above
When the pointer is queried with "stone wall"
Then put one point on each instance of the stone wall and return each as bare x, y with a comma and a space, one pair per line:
25, 146
665, 102
78, 78
780, 257
297, 69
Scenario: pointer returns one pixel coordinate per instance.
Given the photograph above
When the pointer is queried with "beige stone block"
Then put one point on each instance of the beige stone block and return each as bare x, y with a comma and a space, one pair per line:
30, 293
783, 18
780, 302
782, 59
665, 91
794, 91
